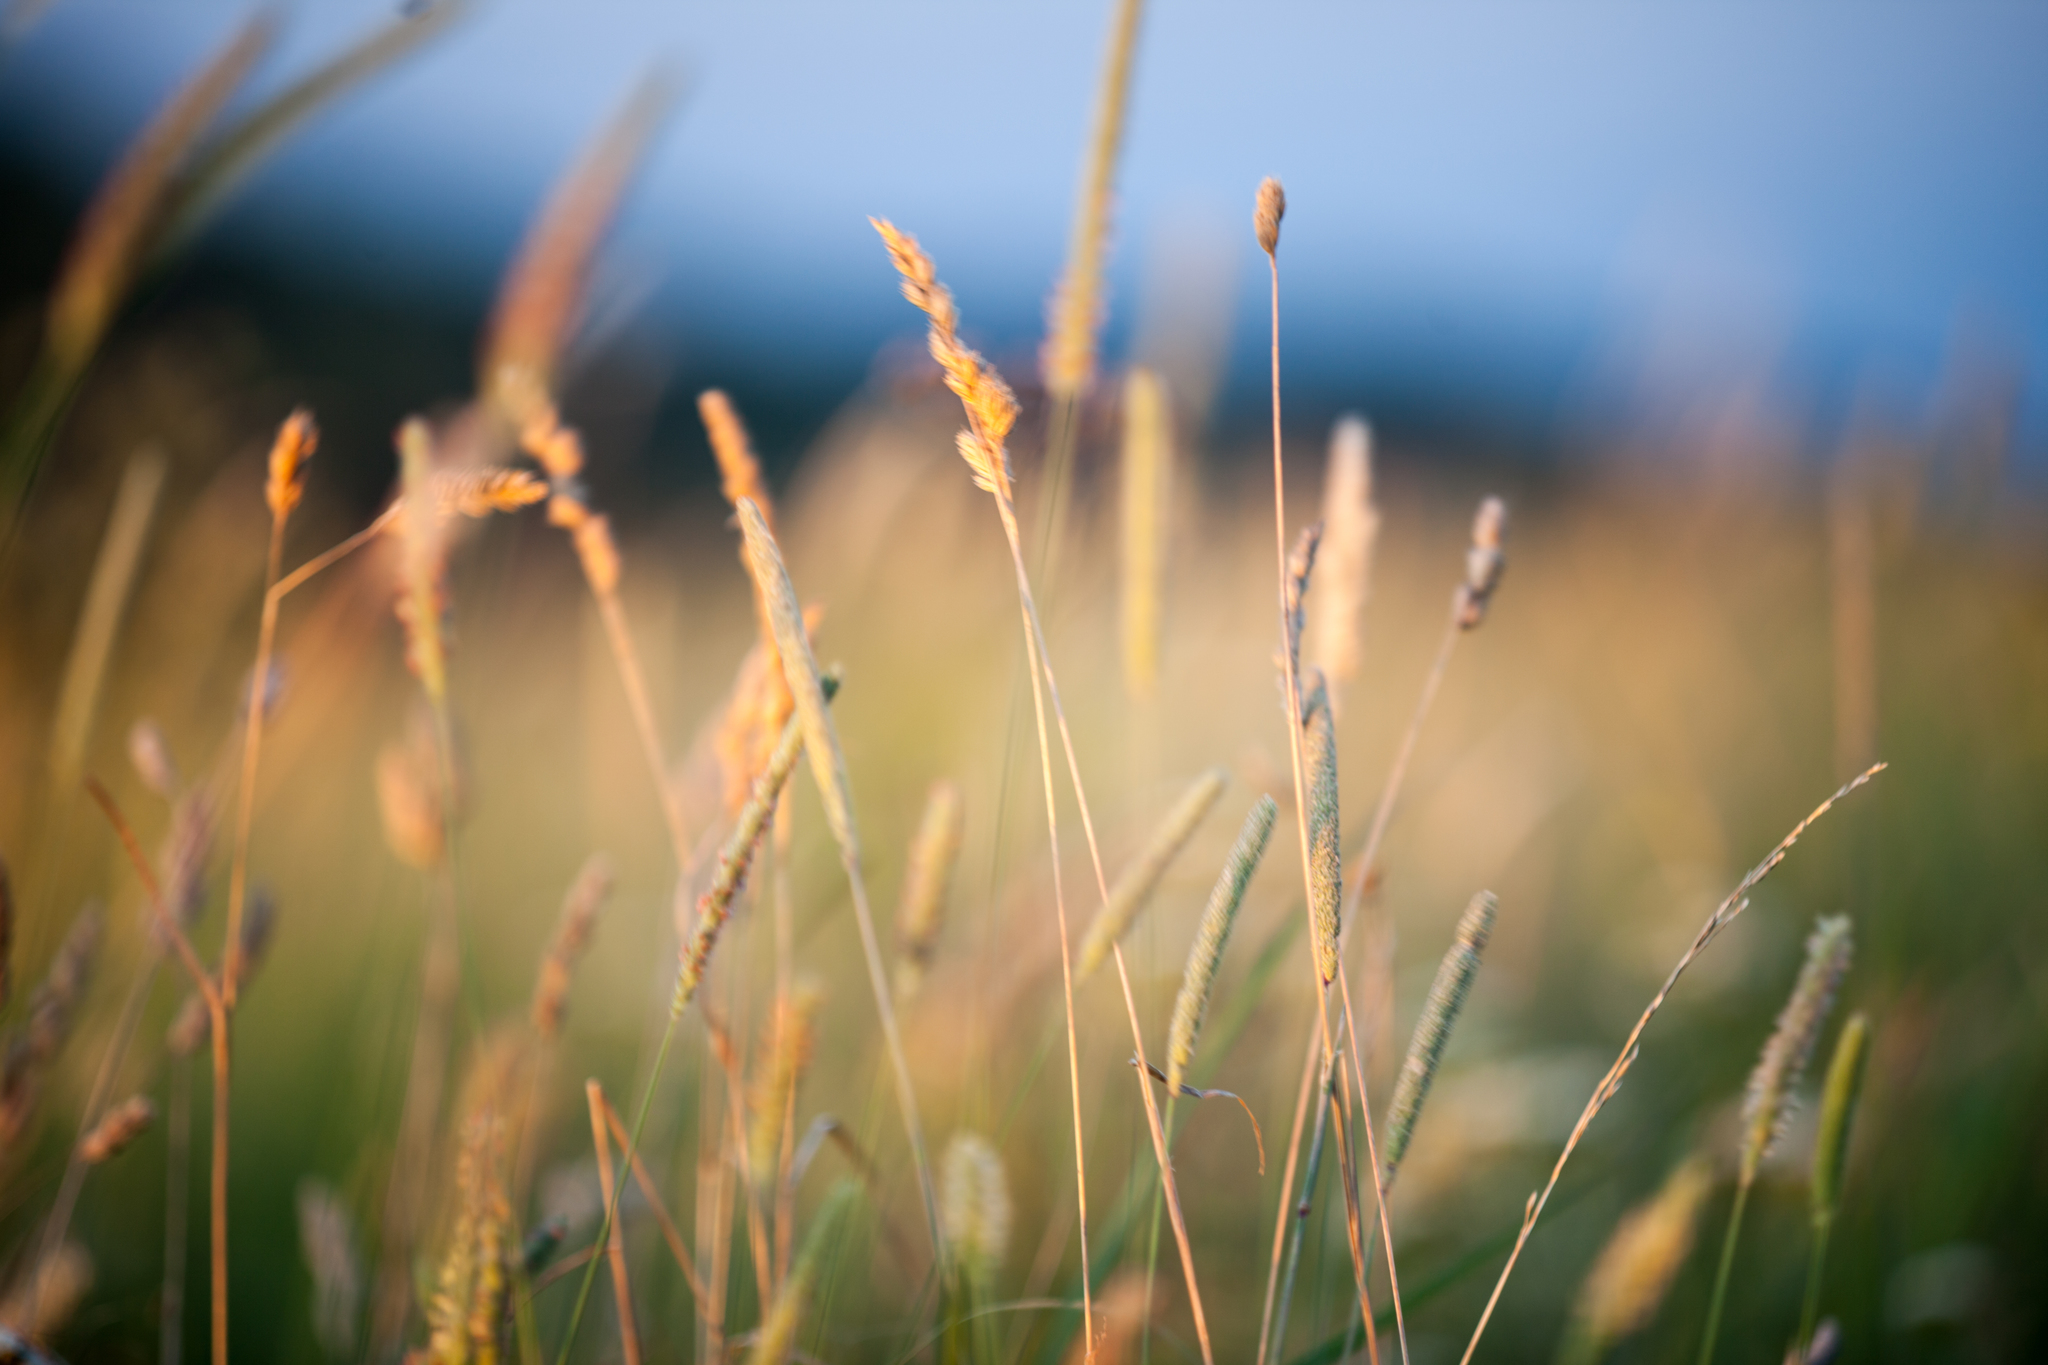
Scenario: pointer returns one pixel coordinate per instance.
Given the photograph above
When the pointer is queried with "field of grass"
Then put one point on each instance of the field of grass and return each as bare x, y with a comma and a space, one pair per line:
1676, 665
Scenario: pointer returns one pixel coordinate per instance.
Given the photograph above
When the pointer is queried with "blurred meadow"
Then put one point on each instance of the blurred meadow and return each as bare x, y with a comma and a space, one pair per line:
1707, 612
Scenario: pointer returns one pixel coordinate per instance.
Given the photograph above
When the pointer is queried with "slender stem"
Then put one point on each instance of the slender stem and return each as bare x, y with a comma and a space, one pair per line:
1059, 899
1152, 1247
1325, 1093
1379, 1175
1397, 773
1720, 1299
1809, 1311
1280, 1220
615, 1246
669, 1231
210, 992
328, 558
252, 748
177, 1196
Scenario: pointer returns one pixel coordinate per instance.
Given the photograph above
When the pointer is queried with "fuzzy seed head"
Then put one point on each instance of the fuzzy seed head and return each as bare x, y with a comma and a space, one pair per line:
1768, 1103
115, 1132
150, 755
1484, 562
477, 493
974, 1197
327, 1239
1440, 1011
1147, 471
1134, 888
1634, 1271
1211, 937
921, 913
1301, 563
1267, 212
1325, 857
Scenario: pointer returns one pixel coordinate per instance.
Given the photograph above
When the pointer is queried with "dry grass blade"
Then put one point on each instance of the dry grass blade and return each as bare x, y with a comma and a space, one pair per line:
112, 239
538, 301
1193, 1092
828, 767
227, 158
669, 1232
1724, 914
615, 1246
106, 600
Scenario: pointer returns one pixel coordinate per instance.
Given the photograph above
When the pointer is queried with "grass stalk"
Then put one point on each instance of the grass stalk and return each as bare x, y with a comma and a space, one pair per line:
615, 1246
216, 1007
1724, 914
1722, 1271
1830, 1155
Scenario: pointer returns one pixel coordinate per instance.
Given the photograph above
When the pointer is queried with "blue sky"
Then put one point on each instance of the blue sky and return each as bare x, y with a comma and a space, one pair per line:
1510, 194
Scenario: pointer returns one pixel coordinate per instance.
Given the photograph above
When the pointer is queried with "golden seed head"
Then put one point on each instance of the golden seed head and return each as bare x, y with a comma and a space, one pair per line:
477, 493
1634, 1271
921, 913
991, 407
775, 1086
296, 441
114, 1133
1266, 214
739, 471
1147, 469
1350, 527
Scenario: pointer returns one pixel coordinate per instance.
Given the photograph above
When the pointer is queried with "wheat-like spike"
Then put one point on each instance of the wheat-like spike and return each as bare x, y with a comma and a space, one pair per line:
796, 1019
477, 493
1837, 1109
1635, 1269
1076, 310
1133, 889
991, 407
739, 472
921, 913
1326, 857
294, 445
975, 1197
1211, 936
828, 768
115, 1132
1351, 525
778, 1328
1454, 976
580, 908
736, 855
1147, 473
1484, 563
1768, 1102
